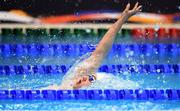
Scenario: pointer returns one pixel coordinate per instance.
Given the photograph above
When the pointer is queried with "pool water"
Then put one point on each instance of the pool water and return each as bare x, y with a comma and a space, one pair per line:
89, 105
140, 81
121, 81
115, 81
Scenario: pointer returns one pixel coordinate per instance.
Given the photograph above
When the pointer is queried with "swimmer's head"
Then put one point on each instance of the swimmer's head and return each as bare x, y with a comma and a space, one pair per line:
83, 81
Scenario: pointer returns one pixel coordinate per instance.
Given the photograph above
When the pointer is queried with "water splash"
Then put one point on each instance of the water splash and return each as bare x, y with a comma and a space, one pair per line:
109, 81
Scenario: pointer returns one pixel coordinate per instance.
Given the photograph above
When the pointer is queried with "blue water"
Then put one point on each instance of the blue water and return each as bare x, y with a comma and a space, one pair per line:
143, 81
110, 59
36, 81
120, 81
90, 105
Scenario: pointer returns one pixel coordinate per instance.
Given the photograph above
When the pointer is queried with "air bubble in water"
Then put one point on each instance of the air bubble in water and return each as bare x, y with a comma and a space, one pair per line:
24, 76
125, 73
158, 70
140, 91
158, 77
131, 53
142, 56
148, 54
44, 60
20, 61
143, 61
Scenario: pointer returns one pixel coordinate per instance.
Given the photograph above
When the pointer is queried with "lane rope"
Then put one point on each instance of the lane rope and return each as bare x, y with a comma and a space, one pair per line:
34, 50
114, 69
108, 94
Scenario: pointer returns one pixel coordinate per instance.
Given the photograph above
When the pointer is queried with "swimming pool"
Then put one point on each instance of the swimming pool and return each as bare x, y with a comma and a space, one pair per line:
141, 75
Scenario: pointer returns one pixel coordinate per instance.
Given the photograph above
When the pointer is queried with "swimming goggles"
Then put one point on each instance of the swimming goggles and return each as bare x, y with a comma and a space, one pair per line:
92, 78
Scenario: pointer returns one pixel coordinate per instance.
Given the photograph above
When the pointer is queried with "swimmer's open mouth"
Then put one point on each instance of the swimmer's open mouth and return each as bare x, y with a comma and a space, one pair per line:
92, 78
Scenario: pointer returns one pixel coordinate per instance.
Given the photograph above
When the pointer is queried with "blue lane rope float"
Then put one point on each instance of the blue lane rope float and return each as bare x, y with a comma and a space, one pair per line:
7, 50
114, 69
107, 94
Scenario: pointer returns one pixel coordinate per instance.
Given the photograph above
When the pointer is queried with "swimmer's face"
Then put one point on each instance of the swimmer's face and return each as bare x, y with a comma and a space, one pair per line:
82, 81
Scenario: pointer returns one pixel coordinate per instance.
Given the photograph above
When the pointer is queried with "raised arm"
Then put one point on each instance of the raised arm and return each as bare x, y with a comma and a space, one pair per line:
86, 70
106, 43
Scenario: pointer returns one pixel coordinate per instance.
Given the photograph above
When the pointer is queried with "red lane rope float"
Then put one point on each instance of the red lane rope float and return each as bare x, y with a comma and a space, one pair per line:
150, 33
174, 33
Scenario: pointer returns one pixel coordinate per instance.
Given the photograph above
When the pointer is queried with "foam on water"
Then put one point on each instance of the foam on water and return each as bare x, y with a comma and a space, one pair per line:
109, 81
104, 80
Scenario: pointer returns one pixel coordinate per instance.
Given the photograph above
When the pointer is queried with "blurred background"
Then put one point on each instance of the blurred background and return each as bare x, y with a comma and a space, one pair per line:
96, 11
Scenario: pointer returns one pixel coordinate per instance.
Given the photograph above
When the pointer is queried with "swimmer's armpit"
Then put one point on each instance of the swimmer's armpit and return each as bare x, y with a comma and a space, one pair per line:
87, 67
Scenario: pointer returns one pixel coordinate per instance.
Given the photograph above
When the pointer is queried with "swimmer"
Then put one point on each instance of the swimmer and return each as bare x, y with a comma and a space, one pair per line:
85, 74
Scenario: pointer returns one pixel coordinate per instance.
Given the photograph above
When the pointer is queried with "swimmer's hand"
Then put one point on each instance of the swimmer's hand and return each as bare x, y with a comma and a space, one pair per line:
128, 13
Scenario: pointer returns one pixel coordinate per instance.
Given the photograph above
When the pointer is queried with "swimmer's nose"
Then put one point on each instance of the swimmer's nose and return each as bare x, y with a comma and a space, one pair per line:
84, 78
79, 81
